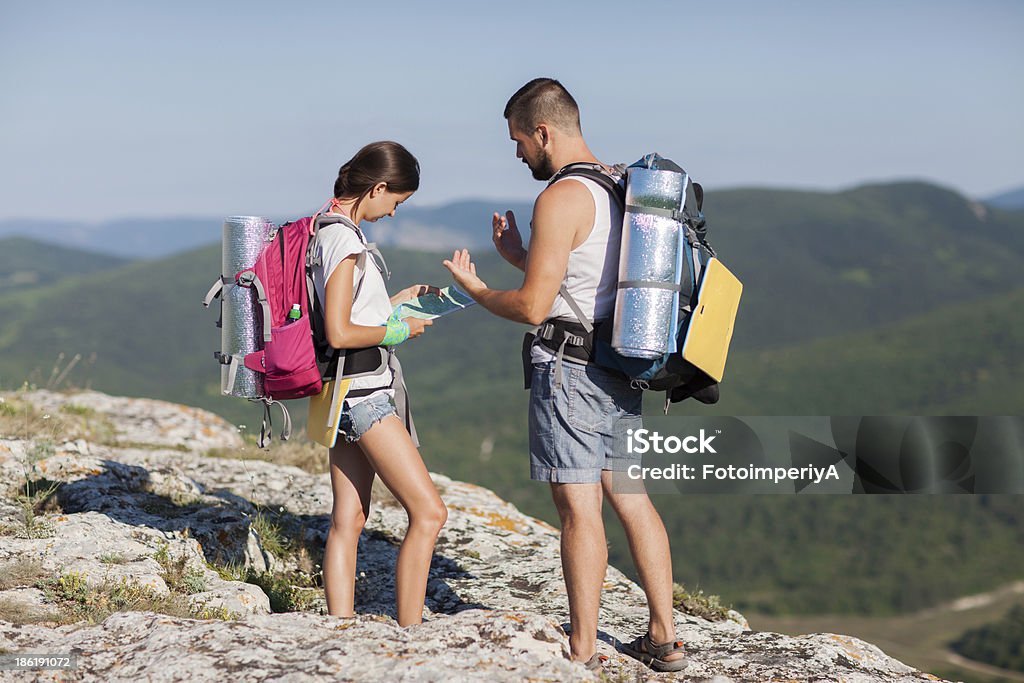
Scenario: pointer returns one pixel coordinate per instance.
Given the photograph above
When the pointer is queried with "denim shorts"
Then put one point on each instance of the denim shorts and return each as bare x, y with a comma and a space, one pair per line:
357, 419
579, 428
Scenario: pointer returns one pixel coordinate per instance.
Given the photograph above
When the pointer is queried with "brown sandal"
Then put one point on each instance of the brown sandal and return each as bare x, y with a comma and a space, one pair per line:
653, 655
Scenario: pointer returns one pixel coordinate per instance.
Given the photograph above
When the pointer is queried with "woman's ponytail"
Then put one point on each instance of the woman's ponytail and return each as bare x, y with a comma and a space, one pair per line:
341, 185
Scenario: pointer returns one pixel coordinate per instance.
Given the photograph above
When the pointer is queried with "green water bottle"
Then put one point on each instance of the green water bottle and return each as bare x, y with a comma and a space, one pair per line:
295, 313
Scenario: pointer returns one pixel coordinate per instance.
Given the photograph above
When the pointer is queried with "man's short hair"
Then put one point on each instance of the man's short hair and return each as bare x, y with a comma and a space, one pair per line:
543, 100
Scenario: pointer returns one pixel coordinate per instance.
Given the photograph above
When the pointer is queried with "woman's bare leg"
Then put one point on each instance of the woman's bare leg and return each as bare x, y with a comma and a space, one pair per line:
394, 457
351, 481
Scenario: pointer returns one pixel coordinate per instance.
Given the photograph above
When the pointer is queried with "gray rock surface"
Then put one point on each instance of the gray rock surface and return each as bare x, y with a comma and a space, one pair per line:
495, 598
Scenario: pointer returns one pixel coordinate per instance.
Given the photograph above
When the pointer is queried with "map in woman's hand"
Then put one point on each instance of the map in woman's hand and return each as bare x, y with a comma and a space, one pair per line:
430, 306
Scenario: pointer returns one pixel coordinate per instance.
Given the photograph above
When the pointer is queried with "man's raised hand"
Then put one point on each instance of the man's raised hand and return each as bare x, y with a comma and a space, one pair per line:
464, 271
507, 239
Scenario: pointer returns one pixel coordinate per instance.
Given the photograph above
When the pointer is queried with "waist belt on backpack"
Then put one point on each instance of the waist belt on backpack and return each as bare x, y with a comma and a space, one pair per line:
567, 337
572, 339
372, 360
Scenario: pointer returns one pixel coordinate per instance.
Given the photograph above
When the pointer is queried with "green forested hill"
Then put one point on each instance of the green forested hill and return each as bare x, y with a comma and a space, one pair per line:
818, 264
144, 331
894, 299
140, 328
875, 555
1000, 643
961, 359
27, 263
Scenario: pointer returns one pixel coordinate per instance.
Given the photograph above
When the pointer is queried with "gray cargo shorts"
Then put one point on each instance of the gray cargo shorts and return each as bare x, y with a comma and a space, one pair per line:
579, 428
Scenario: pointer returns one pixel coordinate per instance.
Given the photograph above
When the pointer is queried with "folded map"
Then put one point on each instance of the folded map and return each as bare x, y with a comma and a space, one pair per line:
430, 306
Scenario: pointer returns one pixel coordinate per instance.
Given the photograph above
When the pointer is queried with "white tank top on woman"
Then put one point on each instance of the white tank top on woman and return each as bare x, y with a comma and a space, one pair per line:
592, 274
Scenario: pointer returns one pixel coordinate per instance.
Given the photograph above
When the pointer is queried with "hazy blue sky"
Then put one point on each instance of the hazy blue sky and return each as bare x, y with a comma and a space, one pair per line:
113, 109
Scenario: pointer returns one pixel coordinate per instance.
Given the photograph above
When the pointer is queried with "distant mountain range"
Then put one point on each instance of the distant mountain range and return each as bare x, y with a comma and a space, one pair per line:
456, 224
1012, 200
128, 238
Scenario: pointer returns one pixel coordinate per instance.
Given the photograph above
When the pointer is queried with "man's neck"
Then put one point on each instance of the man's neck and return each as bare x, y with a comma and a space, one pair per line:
576, 153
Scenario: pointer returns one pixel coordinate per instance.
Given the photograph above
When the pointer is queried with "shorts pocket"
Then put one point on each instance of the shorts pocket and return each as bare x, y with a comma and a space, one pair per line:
541, 381
588, 404
541, 408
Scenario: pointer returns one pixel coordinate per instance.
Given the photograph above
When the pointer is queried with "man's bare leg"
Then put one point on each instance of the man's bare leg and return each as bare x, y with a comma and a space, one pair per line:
648, 544
584, 561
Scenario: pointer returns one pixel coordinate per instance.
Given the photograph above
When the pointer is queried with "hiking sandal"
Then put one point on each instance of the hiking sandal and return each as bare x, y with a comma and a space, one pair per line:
595, 663
645, 650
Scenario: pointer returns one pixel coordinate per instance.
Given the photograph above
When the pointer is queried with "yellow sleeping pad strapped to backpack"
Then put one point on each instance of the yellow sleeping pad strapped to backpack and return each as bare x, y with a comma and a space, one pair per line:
710, 329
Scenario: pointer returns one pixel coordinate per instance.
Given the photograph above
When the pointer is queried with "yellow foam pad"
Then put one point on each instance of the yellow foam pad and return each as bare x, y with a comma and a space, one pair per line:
325, 412
710, 330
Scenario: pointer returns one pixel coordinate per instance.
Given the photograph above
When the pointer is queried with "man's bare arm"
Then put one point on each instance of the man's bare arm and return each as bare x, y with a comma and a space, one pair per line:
561, 212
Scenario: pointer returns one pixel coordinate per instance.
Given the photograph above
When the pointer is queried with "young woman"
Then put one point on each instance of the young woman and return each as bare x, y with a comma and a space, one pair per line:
372, 440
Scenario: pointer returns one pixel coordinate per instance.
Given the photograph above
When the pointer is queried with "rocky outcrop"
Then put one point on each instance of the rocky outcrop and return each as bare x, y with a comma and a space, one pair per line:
212, 544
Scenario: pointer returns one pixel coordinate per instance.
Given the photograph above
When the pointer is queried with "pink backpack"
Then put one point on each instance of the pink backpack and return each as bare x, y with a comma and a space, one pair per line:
288, 358
285, 358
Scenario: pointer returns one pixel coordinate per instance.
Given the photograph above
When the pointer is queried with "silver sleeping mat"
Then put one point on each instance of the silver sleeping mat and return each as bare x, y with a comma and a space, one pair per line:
650, 264
242, 326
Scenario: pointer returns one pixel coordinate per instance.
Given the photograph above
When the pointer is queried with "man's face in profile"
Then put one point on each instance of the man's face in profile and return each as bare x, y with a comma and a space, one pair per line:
530, 150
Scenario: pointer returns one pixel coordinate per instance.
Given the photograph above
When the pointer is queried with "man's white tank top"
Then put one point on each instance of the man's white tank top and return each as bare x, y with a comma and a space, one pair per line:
593, 269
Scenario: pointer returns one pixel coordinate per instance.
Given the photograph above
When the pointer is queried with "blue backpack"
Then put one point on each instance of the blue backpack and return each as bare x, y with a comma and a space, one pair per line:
585, 341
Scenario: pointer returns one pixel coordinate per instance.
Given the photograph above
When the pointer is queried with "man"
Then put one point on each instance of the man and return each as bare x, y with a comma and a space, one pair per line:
578, 411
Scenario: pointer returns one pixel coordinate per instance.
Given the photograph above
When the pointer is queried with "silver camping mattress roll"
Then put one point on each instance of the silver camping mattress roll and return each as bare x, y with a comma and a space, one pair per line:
242, 325
646, 314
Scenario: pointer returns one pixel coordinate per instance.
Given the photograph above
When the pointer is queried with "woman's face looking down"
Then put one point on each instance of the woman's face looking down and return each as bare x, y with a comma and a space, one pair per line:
382, 202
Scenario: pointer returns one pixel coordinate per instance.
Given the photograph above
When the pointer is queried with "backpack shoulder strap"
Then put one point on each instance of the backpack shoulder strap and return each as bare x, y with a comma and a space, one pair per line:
313, 258
599, 175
